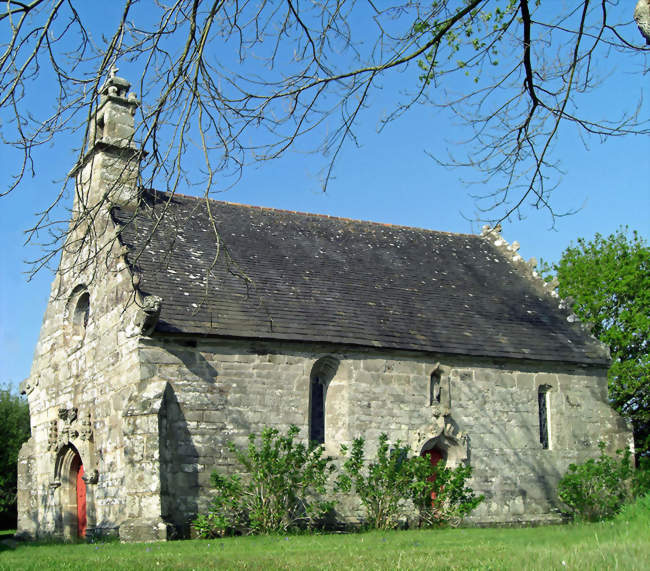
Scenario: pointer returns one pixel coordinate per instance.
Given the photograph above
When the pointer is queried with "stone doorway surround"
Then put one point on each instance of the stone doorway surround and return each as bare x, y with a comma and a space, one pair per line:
69, 474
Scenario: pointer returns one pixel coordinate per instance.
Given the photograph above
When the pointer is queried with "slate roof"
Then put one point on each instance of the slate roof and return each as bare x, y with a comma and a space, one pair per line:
296, 276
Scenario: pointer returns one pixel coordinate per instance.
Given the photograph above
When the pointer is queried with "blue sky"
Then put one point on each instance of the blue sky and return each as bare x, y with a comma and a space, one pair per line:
390, 178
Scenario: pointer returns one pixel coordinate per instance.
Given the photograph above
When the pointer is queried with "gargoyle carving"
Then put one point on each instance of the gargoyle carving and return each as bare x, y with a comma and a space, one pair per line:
28, 385
91, 477
146, 317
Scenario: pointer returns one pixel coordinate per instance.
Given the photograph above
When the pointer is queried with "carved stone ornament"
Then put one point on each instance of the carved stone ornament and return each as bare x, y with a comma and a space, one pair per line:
146, 317
437, 410
64, 436
86, 428
452, 432
444, 427
53, 435
64, 430
91, 477
28, 385
445, 435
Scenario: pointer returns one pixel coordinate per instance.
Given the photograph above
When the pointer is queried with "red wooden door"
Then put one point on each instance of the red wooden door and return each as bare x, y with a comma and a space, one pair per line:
434, 456
81, 502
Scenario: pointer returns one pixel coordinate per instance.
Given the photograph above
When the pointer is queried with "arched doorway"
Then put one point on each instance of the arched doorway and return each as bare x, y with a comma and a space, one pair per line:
434, 455
70, 472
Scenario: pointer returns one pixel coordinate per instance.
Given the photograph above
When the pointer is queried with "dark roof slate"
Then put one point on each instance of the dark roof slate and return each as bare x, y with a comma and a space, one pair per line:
275, 274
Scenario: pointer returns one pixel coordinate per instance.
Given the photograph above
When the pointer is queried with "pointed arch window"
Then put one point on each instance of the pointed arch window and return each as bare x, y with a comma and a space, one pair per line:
322, 373
542, 407
317, 411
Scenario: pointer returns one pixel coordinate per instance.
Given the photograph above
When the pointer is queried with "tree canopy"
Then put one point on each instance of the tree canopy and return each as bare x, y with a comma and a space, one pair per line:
14, 430
228, 84
607, 279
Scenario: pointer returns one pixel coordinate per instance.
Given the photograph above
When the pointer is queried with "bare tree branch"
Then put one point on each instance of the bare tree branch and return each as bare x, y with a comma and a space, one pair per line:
242, 82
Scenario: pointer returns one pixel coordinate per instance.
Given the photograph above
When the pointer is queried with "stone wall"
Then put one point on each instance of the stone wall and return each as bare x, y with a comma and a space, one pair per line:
486, 413
84, 370
153, 416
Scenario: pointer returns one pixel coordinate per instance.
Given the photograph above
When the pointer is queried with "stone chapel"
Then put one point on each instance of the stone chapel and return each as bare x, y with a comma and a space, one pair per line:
178, 324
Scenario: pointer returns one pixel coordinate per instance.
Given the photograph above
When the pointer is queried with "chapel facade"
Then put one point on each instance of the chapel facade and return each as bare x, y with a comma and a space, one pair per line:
177, 325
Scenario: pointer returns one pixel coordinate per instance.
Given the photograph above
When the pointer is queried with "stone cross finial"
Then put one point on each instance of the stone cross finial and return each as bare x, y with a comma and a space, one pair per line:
642, 18
113, 71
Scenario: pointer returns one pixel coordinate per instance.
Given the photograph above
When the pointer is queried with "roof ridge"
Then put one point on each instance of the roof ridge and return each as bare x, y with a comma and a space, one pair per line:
317, 214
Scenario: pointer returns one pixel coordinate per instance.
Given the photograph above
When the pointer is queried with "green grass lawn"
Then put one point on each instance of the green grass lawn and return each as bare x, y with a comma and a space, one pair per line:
621, 544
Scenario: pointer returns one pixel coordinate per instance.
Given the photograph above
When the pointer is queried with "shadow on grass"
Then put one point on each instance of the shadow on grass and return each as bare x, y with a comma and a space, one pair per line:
9, 543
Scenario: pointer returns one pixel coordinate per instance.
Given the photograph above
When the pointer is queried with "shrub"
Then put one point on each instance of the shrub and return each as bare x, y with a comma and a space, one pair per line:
382, 485
211, 525
385, 485
598, 488
446, 500
280, 489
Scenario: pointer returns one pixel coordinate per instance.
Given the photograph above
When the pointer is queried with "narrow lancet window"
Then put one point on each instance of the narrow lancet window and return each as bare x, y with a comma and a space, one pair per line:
317, 411
322, 373
542, 405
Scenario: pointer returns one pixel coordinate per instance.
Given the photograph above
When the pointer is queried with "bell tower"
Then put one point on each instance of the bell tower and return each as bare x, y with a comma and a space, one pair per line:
108, 173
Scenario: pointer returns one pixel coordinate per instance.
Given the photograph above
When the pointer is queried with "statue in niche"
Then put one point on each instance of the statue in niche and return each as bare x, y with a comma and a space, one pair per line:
439, 394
